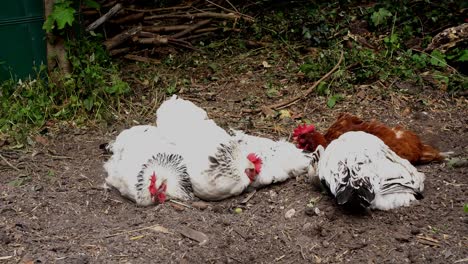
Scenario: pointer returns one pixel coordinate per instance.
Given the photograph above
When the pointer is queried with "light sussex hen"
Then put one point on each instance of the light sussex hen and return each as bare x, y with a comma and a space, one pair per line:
145, 168
221, 165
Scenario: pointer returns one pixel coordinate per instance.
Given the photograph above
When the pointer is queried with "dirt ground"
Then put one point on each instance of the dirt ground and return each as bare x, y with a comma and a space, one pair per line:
53, 209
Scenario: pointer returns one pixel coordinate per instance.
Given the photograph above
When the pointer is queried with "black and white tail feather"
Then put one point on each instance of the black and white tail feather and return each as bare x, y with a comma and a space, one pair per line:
174, 163
359, 169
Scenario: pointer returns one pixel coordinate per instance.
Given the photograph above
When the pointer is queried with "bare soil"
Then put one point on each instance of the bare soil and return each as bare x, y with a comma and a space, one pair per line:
53, 209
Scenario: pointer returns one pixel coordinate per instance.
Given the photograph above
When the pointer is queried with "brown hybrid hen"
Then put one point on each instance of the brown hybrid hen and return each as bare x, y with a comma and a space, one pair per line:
403, 142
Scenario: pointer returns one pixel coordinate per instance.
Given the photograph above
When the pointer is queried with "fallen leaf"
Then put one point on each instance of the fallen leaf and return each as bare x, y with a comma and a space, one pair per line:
284, 114
266, 64
297, 116
177, 207
42, 140
161, 229
268, 111
198, 236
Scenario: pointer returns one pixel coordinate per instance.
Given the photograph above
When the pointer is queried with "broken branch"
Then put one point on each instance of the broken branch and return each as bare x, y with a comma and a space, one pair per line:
141, 59
121, 38
114, 10
128, 18
196, 15
188, 30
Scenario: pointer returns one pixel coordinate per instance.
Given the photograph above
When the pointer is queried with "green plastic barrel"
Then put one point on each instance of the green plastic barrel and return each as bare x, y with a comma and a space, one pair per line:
22, 44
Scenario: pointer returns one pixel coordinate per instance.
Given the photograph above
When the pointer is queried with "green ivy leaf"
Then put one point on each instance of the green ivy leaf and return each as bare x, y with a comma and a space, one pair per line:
63, 14
380, 17
49, 24
465, 208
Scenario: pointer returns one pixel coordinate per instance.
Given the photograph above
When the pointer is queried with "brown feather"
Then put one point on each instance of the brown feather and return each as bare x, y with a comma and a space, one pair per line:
403, 142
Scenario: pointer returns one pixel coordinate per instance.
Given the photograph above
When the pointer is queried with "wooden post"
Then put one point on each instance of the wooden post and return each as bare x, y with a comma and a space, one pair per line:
56, 52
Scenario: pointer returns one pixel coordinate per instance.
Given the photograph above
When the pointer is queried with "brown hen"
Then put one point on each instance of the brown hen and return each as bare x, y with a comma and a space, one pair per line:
403, 142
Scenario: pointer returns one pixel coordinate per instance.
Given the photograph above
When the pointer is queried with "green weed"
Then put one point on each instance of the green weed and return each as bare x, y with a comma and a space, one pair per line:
92, 89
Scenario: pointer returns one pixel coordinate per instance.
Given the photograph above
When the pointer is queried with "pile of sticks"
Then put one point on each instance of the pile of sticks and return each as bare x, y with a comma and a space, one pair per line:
131, 31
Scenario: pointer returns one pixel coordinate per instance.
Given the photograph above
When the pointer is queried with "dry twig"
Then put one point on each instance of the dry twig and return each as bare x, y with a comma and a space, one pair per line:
196, 15
8, 163
121, 38
155, 227
114, 10
293, 100
192, 28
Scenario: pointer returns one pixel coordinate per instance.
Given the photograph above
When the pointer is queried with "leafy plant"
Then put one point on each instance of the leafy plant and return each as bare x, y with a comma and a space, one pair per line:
91, 90
332, 100
438, 59
380, 17
62, 14
172, 88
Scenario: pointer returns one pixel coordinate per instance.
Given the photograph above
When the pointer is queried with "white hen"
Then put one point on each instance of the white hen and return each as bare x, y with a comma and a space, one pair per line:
280, 159
145, 168
359, 169
217, 166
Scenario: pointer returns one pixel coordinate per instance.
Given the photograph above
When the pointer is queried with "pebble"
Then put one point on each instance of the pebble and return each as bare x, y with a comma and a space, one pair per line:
290, 213
309, 211
325, 244
415, 231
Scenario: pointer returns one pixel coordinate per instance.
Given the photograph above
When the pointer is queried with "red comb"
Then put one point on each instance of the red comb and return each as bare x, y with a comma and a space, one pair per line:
152, 187
257, 161
303, 129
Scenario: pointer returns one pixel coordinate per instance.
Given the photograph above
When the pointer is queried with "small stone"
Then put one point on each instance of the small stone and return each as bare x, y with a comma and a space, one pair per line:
226, 222
200, 205
218, 209
415, 231
290, 213
36, 188
317, 211
325, 244
309, 211
273, 194
323, 233
402, 237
